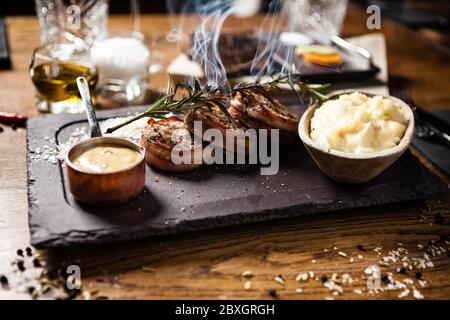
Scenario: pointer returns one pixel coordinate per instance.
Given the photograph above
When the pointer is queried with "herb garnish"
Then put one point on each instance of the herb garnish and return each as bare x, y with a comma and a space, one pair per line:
195, 97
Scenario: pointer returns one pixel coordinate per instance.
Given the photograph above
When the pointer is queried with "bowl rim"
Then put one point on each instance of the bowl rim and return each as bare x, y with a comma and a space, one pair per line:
90, 142
399, 148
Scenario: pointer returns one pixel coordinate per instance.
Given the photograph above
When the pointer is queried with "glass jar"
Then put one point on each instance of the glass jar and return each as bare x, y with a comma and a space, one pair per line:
53, 70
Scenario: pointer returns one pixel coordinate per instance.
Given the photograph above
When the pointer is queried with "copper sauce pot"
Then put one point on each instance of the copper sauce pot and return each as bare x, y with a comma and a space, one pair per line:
103, 189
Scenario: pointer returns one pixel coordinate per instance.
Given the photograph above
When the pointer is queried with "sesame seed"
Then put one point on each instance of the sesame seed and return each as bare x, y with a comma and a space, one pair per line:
334, 277
247, 274
279, 279
301, 277
417, 295
403, 294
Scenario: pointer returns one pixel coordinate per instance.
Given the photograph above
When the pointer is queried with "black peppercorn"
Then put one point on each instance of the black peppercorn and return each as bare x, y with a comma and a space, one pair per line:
20, 252
324, 278
21, 265
3, 280
36, 263
439, 218
273, 293
29, 252
361, 247
419, 275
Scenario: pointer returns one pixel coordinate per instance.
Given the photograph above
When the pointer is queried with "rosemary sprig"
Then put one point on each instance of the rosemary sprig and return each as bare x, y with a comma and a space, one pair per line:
195, 97
293, 81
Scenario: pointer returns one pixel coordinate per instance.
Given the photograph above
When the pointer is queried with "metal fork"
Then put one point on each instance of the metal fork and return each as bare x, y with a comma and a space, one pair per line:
423, 129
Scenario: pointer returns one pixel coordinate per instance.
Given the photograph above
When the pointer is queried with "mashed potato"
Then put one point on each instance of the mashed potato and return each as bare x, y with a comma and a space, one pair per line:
358, 124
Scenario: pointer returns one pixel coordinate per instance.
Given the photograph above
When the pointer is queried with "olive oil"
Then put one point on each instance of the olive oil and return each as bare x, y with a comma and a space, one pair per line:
57, 81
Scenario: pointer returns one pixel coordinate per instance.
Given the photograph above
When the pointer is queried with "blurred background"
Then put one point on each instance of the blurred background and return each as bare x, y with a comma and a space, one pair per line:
156, 54
417, 14
414, 13
424, 9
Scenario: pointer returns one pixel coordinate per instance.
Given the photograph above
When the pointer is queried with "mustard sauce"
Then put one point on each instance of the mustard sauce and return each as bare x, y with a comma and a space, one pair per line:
106, 158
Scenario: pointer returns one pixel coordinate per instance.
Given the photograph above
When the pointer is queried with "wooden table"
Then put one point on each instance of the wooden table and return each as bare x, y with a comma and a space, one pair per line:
209, 264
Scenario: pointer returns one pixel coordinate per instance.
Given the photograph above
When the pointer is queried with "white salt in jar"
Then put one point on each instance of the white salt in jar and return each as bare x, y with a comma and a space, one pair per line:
122, 58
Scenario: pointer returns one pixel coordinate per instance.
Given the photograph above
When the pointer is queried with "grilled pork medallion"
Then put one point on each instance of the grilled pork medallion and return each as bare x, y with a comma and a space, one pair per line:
215, 118
254, 110
159, 139
211, 118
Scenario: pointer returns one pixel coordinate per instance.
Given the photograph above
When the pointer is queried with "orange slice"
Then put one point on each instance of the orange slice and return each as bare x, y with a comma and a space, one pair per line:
326, 60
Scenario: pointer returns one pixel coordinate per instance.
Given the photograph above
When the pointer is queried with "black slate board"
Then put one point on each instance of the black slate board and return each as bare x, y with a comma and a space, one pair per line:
213, 196
437, 153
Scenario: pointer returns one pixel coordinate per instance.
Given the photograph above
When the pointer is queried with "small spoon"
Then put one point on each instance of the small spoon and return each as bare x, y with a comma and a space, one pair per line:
94, 127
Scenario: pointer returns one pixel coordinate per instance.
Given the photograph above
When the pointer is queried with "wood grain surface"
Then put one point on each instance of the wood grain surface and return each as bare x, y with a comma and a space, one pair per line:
209, 264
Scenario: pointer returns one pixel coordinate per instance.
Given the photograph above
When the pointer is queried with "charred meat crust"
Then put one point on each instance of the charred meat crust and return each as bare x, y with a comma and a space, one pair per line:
272, 113
249, 122
211, 118
158, 143
160, 132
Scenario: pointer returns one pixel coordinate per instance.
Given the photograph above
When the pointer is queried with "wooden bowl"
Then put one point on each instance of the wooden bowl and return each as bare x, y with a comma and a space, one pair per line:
105, 189
354, 168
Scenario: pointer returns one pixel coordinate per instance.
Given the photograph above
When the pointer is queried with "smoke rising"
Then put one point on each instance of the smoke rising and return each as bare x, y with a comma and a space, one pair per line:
198, 26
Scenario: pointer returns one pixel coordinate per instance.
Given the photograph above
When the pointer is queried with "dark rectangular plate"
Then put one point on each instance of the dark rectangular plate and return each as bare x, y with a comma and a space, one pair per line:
211, 197
353, 67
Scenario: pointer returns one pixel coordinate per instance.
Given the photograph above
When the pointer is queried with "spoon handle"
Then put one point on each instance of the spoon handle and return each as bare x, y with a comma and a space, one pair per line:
83, 87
